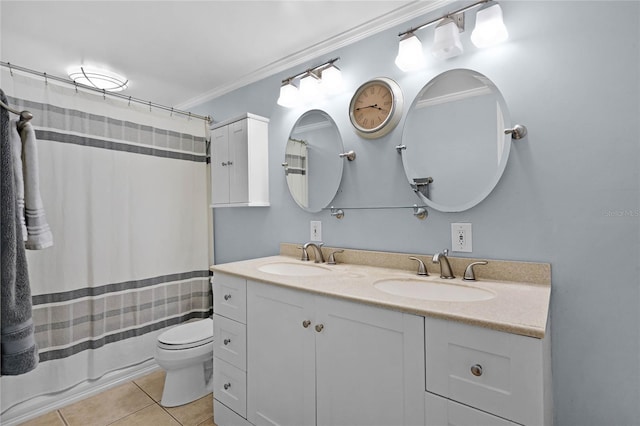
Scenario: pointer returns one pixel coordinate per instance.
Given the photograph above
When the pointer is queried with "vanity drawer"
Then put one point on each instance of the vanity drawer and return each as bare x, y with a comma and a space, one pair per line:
230, 386
441, 411
230, 341
497, 372
230, 296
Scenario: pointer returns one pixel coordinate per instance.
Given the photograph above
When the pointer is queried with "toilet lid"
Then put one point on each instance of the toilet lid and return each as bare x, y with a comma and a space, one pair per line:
188, 333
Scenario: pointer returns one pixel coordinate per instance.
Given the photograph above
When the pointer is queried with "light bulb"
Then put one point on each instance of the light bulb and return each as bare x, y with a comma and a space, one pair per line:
410, 55
446, 40
309, 87
289, 95
490, 29
332, 79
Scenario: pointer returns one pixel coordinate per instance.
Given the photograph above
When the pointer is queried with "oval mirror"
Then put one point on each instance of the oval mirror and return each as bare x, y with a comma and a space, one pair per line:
456, 148
311, 163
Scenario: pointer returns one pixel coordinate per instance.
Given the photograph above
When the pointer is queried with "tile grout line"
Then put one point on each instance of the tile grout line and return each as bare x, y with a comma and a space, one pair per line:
158, 404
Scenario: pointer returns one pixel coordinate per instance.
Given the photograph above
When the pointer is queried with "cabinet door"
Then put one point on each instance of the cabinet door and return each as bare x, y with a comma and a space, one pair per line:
280, 356
230, 296
497, 372
219, 165
441, 412
370, 365
239, 158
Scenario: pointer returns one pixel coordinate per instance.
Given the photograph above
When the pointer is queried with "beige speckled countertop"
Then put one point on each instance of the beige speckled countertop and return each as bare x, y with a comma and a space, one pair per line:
520, 305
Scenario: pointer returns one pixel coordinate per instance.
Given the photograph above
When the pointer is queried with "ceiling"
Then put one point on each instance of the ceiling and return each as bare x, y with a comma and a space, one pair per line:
181, 53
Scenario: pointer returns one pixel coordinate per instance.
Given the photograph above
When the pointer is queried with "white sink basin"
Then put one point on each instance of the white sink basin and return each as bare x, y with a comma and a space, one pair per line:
294, 269
433, 290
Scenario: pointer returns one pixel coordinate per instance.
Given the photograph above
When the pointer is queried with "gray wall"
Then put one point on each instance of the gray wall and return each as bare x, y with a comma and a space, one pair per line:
569, 195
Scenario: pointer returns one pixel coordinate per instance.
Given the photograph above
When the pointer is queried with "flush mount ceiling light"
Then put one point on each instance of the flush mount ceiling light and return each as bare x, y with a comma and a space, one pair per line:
313, 83
98, 78
489, 30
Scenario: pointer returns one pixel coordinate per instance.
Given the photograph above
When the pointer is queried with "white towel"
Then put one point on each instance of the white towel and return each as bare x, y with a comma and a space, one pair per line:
38, 235
16, 152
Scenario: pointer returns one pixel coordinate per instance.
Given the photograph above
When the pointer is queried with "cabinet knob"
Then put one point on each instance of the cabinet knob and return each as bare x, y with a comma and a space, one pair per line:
227, 341
227, 386
223, 163
319, 328
306, 323
229, 163
227, 296
476, 370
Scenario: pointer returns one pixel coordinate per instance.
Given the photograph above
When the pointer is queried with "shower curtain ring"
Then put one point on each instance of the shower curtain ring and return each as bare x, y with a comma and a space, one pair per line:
129, 101
104, 94
10, 69
46, 82
171, 112
149, 106
75, 83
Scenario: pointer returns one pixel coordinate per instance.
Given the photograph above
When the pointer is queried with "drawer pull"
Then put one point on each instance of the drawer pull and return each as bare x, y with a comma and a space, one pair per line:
227, 296
476, 370
319, 328
306, 323
227, 341
227, 386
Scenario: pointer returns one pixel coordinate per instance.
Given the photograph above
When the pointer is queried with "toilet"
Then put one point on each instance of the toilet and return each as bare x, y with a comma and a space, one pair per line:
186, 353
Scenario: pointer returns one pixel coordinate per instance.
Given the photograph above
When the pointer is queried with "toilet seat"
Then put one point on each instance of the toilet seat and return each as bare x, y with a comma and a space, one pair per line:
187, 335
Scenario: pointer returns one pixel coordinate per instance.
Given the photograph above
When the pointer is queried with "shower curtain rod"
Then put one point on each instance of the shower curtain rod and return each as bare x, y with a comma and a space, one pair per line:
103, 92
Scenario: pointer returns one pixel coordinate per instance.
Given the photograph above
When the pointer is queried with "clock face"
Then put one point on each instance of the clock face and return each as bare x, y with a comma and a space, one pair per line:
376, 107
372, 106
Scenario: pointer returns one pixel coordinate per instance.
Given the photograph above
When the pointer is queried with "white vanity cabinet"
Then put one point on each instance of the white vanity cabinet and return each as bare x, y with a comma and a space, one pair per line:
229, 349
488, 377
318, 360
239, 162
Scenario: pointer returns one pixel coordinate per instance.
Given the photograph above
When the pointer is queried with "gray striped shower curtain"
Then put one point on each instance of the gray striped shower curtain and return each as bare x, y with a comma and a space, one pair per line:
125, 194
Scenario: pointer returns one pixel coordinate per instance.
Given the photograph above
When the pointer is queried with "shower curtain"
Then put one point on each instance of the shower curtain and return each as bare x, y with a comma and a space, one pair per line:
124, 190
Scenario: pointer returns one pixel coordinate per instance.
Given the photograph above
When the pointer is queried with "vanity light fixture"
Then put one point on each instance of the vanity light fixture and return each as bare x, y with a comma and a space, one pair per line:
324, 79
331, 78
410, 56
310, 86
289, 94
490, 27
446, 39
98, 78
489, 30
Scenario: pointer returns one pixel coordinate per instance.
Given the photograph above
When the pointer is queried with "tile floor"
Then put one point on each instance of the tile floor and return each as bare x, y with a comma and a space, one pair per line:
134, 403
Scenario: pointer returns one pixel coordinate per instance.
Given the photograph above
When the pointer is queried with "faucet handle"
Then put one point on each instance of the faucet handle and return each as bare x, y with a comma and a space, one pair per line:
422, 269
469, 275
305, 255
332, 257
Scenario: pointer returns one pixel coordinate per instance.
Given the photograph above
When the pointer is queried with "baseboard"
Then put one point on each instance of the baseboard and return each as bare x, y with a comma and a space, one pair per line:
41, 405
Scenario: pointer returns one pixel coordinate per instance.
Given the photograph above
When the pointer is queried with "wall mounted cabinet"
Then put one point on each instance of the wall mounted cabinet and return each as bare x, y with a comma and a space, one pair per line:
240, 162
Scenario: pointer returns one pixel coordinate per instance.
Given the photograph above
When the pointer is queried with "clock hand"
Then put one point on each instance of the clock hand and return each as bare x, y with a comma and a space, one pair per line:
365, 107
370, 106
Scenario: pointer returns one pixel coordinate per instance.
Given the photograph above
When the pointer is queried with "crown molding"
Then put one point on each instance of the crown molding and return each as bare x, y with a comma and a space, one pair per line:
382, 23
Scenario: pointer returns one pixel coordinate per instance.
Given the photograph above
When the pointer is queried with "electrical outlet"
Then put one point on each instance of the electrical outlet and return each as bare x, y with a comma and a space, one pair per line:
316, 230
461, 238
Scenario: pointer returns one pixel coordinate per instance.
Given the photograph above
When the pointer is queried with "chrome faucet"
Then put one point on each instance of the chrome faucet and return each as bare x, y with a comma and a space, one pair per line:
445, 266
319, 258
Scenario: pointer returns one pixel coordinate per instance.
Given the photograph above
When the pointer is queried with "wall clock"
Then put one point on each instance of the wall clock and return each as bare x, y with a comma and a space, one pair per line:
376, 107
